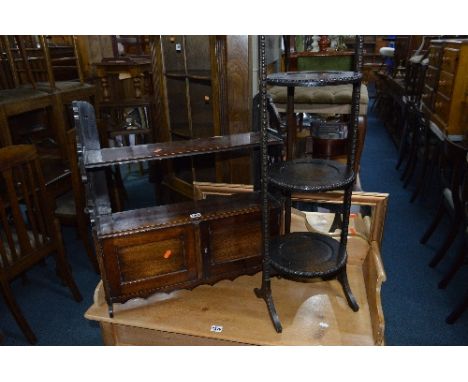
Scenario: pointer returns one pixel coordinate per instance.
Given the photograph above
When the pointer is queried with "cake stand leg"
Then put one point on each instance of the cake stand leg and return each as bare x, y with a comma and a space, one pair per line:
265, 293
287, 211
110, 309
343, 279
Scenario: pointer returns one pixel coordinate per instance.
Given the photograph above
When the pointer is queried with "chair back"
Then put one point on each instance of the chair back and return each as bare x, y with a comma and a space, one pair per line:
33, 60
125, 126
6, 78
414, 81
454, 171
26, 219
78, 189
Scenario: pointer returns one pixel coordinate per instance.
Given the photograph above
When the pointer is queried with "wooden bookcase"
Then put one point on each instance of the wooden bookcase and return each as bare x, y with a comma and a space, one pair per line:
203, 87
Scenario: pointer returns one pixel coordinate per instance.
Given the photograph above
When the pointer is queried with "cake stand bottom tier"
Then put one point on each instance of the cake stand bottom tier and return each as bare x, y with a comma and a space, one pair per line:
306, 254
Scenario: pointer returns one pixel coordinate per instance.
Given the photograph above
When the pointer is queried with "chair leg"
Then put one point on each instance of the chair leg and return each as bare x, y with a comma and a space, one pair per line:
16, 311
287, 212
447, 242
422, 178
403, 145
411, 170
63, 267
84, 235
458, 311
457, 264
409, 161
434, 224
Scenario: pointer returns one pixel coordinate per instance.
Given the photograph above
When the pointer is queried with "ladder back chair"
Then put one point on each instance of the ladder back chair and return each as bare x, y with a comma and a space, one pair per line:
43, 65
452, 171
29, 232
70, 207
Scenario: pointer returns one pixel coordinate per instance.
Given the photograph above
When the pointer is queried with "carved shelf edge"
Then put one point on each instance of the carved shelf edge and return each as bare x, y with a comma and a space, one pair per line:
333, 53
167, 150
311, 175
171, 215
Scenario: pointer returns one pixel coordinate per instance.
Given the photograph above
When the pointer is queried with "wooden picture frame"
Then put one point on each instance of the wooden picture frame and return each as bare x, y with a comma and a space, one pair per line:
201, 190
373, 270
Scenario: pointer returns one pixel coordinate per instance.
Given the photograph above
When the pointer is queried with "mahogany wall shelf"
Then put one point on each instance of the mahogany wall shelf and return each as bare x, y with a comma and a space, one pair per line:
175, 246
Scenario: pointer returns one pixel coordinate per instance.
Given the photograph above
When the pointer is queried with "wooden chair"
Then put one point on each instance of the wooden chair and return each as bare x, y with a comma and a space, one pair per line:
430, 147
462, 255
34, 62
28, 229
453, 168
70, 207
458, 310
411, 101
416, 124
44, 74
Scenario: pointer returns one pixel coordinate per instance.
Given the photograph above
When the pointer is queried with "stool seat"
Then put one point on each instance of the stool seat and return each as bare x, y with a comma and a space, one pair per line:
325, 99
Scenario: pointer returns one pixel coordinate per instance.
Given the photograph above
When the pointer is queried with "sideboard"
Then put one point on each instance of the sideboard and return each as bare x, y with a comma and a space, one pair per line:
445, 94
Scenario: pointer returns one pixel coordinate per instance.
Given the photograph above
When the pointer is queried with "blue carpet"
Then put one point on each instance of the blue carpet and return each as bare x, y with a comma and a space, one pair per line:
414, 307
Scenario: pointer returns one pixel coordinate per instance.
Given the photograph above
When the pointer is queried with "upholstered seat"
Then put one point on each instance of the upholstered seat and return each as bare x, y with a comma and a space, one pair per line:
324, 99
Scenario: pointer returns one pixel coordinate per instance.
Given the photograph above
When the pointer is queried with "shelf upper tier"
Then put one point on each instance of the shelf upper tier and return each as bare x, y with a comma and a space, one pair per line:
170, 215
167, 150
311, 175
312, 79
306, 254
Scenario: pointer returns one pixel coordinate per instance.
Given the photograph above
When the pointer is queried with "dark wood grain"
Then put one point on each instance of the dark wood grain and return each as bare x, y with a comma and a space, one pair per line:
239, 103
175, 149
181, 246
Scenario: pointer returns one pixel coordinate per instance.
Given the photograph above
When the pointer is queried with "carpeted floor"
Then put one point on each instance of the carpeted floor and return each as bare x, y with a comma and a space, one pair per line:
414, 308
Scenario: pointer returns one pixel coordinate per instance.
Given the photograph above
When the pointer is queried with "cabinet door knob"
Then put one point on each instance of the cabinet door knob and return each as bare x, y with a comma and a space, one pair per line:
206, 99
442, 82
438, 105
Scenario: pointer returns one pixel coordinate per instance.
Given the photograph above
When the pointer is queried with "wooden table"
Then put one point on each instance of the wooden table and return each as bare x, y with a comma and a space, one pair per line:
313, 313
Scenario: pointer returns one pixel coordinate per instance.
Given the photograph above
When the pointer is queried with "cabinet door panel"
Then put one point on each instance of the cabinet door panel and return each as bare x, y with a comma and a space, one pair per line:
201, 109
150, 260
442, 107
197, 51
177, 103
173, 56
234, 244
432, 77
434, 55
445, 84
450, 60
